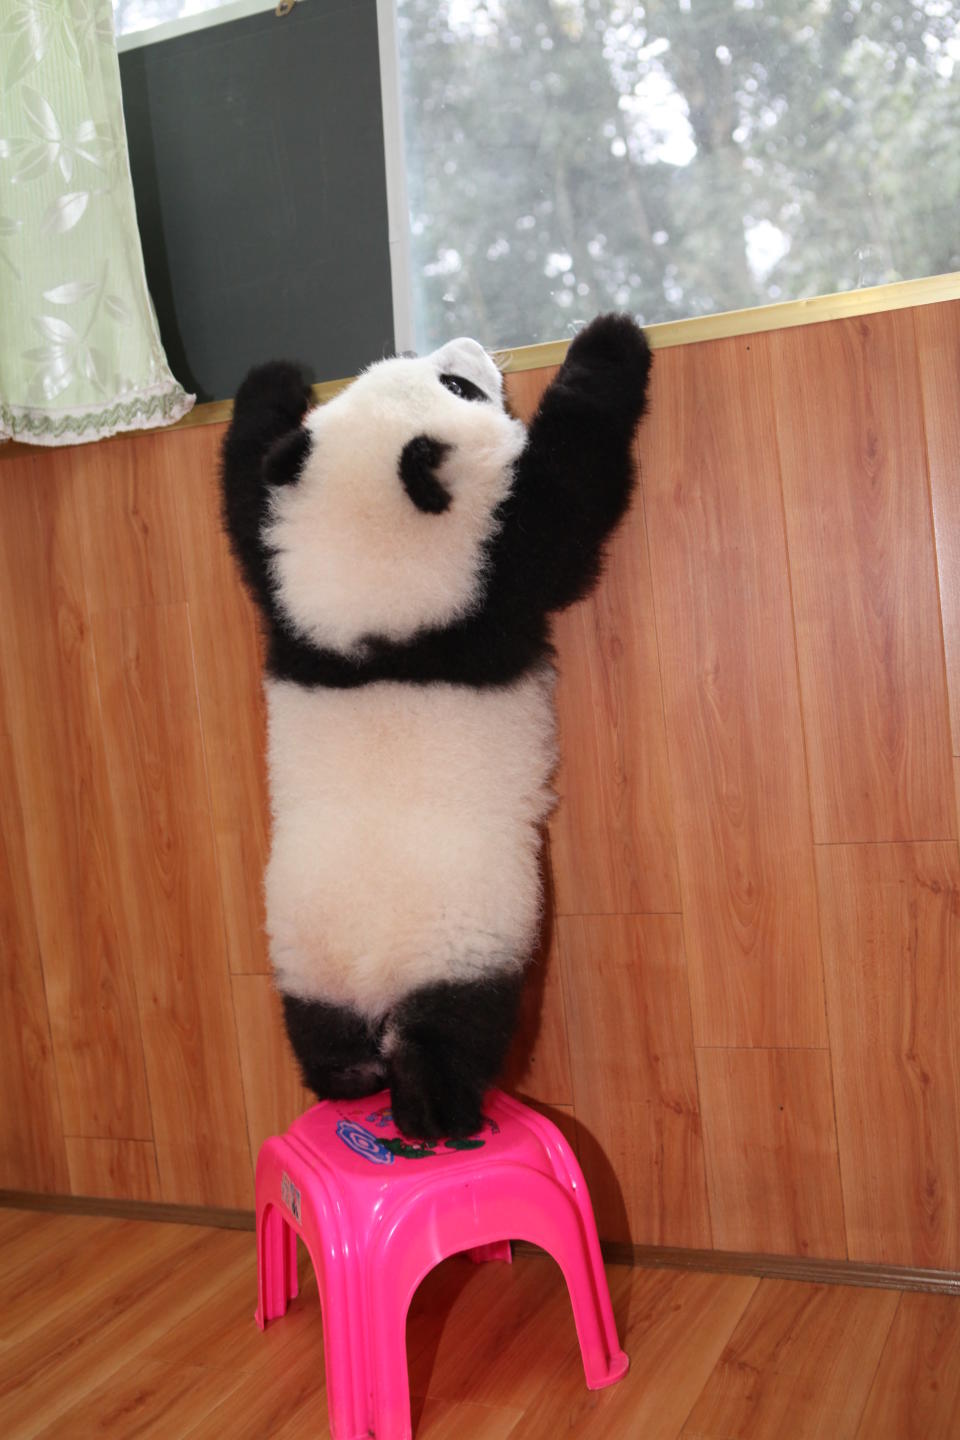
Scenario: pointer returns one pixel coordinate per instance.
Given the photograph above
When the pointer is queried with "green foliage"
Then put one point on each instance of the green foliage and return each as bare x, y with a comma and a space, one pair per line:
674, 158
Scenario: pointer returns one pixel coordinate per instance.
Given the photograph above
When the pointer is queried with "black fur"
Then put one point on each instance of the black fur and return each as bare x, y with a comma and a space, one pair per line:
449, 1044
338, 1051
443, 1045
573, 483
419, 461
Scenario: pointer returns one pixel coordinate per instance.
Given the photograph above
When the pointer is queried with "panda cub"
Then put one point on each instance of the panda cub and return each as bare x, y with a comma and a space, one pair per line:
406, 544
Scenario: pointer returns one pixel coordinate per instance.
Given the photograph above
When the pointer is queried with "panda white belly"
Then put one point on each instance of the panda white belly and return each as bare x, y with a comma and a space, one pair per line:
406, 835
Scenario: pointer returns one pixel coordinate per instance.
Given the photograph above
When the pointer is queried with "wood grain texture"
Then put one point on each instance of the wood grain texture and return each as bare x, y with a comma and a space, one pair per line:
272, 1090
916, 1395
60, 768
113, 1169
32, 1156
612, 839
127, 521
891, 939
771, 1150
864, 578
228, 655
144, 1398
799, 1364
504, 1361
938, 350
131, 1329
718, 557
677, 1327
85, 1339
612, 836
538, 1066
159, 788
634, 1077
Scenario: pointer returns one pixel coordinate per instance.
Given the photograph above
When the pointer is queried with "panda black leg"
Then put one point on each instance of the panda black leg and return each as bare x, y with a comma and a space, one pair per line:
445, 1045
336, 1048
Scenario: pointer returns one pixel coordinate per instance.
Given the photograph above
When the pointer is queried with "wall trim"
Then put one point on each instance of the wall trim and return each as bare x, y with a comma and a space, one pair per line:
810, 1269
903, 295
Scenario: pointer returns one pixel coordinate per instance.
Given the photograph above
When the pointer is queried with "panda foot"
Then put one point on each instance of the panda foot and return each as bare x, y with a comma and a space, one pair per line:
435, 1110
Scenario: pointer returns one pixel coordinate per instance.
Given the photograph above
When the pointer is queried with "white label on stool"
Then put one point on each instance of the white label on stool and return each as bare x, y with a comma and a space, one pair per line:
290, 1195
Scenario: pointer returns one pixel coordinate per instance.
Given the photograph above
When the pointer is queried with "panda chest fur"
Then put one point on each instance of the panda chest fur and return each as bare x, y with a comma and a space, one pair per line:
406, 834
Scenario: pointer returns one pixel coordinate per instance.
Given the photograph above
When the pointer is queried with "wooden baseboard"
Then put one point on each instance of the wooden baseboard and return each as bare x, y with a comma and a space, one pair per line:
779, 1267
216, 1219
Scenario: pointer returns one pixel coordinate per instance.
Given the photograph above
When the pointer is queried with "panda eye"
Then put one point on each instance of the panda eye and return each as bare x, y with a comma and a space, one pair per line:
460, 385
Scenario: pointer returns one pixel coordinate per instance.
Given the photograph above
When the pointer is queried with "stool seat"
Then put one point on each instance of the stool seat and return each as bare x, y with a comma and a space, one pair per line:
377, 1212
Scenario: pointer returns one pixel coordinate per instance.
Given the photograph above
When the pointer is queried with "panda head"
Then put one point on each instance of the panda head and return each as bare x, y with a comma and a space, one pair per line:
385, 530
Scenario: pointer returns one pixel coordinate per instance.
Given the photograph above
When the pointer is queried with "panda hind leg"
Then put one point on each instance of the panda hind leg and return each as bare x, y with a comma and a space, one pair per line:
336, 1049
445, 1045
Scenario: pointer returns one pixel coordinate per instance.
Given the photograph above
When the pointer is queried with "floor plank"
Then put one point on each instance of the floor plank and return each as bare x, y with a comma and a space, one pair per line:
799, 1365
677, 1328
117, 1330
916, 1395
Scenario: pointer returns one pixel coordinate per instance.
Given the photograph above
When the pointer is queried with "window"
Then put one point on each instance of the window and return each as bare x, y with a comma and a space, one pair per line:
671, 159
133, 17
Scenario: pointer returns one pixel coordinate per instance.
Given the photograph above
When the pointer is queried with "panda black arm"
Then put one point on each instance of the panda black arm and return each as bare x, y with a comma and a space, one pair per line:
576, 474
265, 446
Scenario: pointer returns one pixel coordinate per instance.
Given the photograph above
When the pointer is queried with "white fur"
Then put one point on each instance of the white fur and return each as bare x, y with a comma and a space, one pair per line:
354, 557
405, 837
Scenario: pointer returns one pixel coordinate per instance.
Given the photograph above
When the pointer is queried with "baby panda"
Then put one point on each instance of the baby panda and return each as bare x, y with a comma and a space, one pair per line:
406, 544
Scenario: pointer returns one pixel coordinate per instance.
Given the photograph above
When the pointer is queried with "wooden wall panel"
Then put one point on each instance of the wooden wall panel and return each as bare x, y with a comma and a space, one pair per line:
54, 726
891, 943
937, 329
612, 837
31, 1137
538, 1066
711, 483
771, 1150
125, 497
114, 1169
178, 951
134, 824
864, 579
634, 1078
229, 662
272, 1090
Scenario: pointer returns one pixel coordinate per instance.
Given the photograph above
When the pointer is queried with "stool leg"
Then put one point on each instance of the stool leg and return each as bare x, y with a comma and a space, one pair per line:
496, 1250
603, 1361
391, 1397
276, 1265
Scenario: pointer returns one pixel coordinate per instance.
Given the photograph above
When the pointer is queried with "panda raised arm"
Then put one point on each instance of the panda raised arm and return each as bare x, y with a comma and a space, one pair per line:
576, 473
405, 544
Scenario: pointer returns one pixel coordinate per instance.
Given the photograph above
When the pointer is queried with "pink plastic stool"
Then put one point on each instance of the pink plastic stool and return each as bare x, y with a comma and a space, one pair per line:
377, 1212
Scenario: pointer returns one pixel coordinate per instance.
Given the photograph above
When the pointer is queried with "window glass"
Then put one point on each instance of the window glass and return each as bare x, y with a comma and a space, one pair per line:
671, 159
130, 17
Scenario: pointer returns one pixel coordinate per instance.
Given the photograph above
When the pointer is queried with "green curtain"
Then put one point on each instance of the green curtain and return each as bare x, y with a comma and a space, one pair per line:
80, 353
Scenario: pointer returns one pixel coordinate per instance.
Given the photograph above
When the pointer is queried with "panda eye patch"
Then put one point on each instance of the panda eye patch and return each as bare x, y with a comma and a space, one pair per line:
460, 385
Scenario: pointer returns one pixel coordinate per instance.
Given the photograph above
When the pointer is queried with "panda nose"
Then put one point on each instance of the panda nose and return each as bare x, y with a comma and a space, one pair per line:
420, 459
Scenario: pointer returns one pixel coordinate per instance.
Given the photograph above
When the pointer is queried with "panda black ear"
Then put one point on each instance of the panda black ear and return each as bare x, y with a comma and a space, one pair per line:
284, 461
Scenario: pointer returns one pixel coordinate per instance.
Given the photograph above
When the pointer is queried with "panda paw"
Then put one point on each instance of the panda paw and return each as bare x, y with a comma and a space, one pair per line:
277, 392
613, 350
435, 1108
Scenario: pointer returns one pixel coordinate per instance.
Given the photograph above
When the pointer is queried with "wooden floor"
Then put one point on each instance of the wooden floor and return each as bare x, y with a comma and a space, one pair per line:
126, 1329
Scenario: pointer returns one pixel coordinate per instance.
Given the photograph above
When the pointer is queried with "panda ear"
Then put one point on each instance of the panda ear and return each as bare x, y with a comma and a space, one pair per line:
284, 461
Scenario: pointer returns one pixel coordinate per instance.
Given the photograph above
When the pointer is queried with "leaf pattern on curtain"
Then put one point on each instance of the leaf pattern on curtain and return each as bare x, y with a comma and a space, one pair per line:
80, 353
